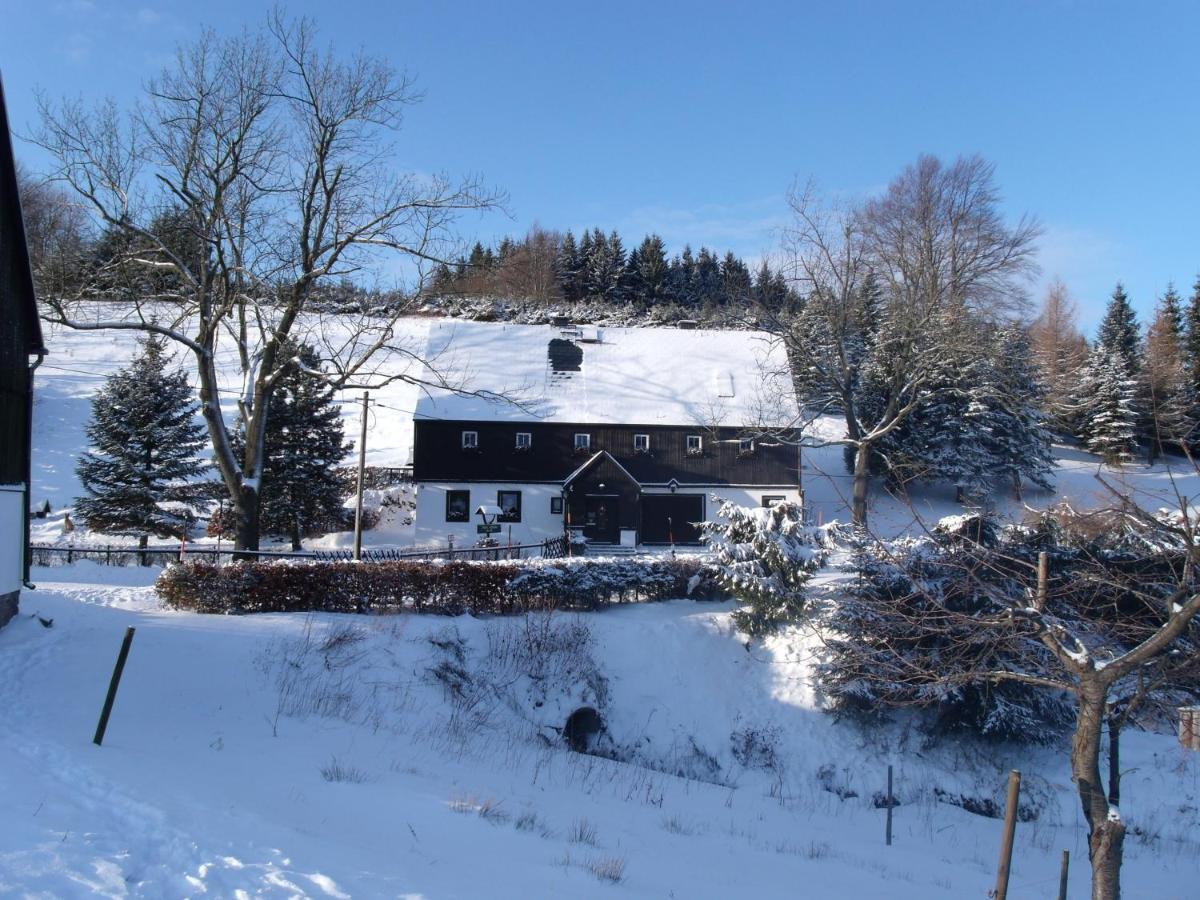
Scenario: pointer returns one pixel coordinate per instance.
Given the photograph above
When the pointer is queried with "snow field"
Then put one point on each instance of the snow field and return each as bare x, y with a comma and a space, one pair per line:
329, 756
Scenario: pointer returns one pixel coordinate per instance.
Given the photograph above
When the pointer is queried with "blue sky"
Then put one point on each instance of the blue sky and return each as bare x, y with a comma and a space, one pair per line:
693, 119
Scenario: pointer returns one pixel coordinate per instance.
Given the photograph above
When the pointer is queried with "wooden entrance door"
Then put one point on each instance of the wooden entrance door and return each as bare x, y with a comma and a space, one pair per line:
600, 523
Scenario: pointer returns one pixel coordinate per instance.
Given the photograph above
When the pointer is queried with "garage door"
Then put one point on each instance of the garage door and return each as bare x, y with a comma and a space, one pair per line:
669, 516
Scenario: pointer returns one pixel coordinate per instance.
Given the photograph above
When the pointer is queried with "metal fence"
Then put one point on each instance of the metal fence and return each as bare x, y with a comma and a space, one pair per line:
50, 555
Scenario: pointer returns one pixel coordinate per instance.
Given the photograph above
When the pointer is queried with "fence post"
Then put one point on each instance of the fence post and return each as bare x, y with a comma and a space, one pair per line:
1062, 875
1006, 843
113, 684
889, 807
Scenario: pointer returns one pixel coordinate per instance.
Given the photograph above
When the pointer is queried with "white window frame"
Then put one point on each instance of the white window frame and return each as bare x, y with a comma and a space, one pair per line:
644, 440
698, 447
586, 443
528, 440
470, 440
745, 446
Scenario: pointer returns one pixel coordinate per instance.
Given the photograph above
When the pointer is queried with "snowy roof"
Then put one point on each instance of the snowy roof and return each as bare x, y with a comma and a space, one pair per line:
640, 376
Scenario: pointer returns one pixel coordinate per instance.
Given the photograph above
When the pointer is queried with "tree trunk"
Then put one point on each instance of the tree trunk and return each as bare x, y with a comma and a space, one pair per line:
248, 524
1106, 831
143, 543
295, 535
862, 478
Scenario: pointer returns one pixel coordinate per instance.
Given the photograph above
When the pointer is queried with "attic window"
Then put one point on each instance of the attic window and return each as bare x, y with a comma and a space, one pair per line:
695, 446
524, 440
746, 447
641, 443
470, 440
583, 441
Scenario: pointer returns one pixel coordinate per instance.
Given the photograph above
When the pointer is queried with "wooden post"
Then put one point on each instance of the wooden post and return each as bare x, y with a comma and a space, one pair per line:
1010, 827
889, 807
112, 687
1062, 875
1042, 577
362, 464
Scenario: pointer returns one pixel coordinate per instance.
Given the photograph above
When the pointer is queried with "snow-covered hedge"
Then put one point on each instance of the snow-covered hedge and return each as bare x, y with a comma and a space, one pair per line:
445, 588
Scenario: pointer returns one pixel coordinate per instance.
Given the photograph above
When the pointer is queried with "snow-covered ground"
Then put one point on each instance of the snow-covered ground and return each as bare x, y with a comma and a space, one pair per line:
335, 756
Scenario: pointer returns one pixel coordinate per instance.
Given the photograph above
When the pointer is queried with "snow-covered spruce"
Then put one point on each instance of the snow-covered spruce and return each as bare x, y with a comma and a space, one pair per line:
144, 444
764, 557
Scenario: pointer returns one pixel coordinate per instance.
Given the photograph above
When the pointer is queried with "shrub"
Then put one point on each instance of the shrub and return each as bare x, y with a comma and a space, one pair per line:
440, 587
764, 558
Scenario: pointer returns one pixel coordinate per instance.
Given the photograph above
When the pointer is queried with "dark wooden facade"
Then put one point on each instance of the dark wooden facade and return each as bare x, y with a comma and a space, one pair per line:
611, 487
438, 454
20, 338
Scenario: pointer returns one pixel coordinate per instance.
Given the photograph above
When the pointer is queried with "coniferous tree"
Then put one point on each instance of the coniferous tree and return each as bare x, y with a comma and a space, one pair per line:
1020, 443
304, 442
1192, 341
1171, 398
145, 438
764, 557
948, 436
566, 267
1119, 336
614, 285
653, 270
1107, 400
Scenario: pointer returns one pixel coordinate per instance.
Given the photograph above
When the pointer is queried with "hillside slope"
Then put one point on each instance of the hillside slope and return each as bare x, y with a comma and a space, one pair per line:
333, 756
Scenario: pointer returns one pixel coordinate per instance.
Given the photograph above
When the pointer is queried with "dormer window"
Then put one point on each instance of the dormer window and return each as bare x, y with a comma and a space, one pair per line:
695, 446
746, 447
641, 443
583, 441
470, 440
524, 440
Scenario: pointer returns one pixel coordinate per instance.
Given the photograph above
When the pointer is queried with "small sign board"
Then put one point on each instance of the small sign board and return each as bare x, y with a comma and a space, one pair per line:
494, 528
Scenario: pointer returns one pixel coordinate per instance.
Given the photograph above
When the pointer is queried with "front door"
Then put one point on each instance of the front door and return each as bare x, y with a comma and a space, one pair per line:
600, 522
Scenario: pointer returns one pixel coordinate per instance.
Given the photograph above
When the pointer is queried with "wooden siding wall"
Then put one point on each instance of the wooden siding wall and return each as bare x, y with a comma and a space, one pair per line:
438, 454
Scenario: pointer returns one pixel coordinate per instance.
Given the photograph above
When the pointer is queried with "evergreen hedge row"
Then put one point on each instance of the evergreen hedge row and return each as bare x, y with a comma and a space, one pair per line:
438, 587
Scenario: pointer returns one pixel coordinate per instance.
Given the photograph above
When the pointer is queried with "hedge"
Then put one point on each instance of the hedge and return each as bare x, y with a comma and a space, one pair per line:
441, 587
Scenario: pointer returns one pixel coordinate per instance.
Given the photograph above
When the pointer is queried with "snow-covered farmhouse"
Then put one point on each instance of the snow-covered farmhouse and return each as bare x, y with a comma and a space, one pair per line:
621, 434
20, 338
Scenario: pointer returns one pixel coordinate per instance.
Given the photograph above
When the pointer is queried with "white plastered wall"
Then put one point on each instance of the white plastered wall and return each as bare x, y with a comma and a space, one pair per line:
12, 537
536, 525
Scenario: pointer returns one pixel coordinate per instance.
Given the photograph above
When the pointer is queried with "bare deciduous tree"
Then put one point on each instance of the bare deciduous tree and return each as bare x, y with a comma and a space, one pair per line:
274, 153
886, 283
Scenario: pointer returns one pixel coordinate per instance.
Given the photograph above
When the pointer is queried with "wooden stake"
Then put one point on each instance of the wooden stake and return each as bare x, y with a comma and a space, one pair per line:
889, 807
1042, 577
1062, 875
362, 464
1010, 827
112, 687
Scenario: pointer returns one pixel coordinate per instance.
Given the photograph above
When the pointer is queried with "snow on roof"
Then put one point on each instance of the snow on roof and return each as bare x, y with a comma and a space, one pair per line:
640, 376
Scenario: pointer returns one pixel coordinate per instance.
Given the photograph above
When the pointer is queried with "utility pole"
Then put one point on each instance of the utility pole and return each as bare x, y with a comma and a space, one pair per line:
362, 464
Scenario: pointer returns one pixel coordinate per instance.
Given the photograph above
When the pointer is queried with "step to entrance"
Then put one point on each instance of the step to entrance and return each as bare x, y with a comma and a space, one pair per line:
595, 548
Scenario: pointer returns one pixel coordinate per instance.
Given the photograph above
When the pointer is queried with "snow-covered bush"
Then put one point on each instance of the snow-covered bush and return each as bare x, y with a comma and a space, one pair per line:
764, 558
